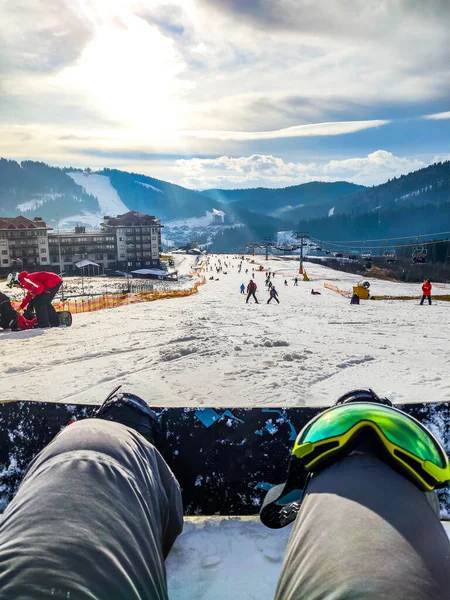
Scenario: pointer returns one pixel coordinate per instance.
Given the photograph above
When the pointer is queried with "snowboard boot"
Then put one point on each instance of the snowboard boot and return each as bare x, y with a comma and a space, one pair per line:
132, 411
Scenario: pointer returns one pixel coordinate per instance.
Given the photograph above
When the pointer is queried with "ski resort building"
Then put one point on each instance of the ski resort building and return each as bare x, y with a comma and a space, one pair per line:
126, 242
23, 244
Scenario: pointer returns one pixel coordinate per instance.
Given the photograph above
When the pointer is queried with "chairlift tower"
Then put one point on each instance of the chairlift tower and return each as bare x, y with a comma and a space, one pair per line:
301, 236
267, 243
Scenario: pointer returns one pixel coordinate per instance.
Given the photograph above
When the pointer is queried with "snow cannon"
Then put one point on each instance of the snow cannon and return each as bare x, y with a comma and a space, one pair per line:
362, 290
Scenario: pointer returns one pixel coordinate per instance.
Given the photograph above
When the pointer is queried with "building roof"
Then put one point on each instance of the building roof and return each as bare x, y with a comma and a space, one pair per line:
22, 223
130, 219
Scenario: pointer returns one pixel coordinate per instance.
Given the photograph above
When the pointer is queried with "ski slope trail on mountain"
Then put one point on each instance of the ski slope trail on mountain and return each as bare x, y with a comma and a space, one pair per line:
100, 187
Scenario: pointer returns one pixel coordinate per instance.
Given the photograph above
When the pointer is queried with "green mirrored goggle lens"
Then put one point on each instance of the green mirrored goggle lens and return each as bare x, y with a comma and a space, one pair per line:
399, 428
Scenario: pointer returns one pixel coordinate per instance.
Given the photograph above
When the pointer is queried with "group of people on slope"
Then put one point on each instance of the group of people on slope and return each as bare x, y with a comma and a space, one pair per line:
251, 292
41, 288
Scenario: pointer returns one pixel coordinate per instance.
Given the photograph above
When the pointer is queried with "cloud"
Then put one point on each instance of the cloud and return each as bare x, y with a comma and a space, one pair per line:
41, 36
316, 129
270, 171
439, 116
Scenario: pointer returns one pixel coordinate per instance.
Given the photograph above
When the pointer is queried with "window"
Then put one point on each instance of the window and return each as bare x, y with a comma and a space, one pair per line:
4, 251
3, 243
5, 261
43, 250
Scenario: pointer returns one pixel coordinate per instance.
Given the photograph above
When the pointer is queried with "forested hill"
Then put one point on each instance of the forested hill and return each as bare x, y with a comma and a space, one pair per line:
274, 201
430, 185
165, 200
36, 189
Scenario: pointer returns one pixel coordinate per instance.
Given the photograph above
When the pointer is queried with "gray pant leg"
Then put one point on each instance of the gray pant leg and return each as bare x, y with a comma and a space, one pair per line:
94, 518
364, 531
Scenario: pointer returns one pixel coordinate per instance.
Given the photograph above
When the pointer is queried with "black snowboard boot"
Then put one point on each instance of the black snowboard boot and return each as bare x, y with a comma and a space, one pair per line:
132, 411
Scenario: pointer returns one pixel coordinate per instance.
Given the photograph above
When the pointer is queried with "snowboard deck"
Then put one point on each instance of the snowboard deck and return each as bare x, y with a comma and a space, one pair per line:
65, 318
224, 458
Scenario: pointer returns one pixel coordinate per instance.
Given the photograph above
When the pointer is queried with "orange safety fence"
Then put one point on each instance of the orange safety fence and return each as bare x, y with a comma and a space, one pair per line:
335, 288
116, 300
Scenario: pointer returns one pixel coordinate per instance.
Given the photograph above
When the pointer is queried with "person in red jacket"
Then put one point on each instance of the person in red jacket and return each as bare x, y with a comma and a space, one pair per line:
251, 289
426, 291
41, 289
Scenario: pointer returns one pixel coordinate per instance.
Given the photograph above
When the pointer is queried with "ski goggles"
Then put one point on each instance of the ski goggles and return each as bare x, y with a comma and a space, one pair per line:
407, 444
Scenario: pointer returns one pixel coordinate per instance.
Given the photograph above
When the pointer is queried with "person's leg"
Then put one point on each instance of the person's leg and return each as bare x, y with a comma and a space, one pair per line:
277, 300
8, 316
52, 314
364, 531
429, 299
41, 308
94, 518
423, 298
248, 297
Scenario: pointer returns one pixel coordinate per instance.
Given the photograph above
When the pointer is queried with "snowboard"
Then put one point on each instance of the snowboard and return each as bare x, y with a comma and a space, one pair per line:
225, 459
65, 318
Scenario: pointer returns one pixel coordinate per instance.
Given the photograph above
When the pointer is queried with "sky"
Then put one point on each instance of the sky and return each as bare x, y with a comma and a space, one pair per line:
228, 93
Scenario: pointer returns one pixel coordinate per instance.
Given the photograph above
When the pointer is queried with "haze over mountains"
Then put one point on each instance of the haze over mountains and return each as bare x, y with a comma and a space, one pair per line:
411, 204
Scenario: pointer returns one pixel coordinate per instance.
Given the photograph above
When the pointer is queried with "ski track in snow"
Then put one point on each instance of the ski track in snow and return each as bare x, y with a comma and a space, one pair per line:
214, 349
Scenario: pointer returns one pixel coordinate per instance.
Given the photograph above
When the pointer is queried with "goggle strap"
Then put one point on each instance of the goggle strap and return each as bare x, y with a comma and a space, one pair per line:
274, 512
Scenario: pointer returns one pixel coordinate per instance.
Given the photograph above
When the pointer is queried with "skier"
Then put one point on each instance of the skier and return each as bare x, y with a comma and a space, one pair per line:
371, 473
96, 514
269, 285
285, 282
41, 289
242, 288
273, 295
10, 318
426, 291
251, 289
296, 281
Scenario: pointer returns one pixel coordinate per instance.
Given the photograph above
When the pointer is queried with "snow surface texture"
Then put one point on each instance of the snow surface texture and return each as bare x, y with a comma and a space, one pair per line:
214, 349
221, 558
108, 199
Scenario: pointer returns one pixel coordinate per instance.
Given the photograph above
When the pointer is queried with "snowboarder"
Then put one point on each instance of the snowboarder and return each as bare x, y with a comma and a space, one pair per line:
315, 292
273, 295
426, 291
251, 289
242, 288
10, 318
41, 289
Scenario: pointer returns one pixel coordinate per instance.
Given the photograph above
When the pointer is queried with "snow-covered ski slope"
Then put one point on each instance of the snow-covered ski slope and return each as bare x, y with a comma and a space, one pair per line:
107, 196
214, 349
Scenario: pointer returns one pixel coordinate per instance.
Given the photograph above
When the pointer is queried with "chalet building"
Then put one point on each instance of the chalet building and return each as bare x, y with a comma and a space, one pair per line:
126, 242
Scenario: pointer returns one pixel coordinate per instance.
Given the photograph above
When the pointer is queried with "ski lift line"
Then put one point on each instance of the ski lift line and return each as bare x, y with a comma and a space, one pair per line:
385, 246
407, 237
